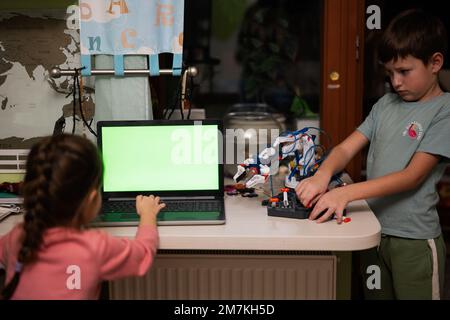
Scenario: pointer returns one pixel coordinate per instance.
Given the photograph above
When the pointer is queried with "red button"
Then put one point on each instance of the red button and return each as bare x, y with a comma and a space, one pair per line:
347, 220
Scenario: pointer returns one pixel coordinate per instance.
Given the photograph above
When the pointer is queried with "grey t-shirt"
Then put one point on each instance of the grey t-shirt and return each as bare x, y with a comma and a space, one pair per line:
396, 130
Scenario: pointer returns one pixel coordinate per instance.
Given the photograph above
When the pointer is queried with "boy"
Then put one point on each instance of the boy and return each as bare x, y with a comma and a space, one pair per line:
409, 150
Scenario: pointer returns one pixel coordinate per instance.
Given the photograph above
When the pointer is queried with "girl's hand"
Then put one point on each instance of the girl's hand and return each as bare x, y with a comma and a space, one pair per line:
311, 189
331, 202
148, 207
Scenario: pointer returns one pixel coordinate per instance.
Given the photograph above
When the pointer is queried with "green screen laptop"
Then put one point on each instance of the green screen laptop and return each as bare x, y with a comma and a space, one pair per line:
180, 161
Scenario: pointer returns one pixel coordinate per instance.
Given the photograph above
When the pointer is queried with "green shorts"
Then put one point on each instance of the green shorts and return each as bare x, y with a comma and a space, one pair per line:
403, 268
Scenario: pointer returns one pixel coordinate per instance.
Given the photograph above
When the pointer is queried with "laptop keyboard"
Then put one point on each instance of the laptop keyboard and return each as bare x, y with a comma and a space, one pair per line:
176, 211
171, 206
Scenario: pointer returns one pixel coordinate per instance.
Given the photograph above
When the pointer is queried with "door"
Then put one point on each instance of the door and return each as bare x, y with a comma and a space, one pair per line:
342, 72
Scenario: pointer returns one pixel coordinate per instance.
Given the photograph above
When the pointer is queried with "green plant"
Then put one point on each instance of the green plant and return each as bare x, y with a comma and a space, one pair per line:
300, 108
268, 47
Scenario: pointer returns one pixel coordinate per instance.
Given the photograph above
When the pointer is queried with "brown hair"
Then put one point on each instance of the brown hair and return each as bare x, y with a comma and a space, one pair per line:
413, 32
60, 172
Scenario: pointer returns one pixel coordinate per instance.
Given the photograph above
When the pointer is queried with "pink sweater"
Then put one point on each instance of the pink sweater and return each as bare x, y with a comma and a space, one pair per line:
71, 263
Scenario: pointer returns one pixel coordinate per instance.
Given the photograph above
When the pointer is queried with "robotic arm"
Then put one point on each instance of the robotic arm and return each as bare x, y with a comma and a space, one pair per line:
298, 145
301, 150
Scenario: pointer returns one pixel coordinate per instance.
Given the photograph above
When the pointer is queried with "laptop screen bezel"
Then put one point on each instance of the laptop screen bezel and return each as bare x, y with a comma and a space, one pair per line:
173, 193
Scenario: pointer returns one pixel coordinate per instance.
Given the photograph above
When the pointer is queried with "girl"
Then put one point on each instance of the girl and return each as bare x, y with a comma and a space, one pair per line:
50, 255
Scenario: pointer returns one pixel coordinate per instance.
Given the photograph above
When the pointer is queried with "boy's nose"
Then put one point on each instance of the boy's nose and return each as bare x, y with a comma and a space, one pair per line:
396, 82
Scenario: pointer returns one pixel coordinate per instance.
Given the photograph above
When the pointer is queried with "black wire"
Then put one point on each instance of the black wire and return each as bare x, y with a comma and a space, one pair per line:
88, 125
177, 99
330, 140
180, 104
174, 104
189, 95
73, 101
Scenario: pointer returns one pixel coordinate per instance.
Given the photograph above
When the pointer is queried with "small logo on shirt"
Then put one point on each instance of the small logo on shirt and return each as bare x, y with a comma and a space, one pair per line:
414, 130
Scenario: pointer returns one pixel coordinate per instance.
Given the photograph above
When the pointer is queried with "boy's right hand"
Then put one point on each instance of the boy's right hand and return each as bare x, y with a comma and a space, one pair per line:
311, 189
148, 207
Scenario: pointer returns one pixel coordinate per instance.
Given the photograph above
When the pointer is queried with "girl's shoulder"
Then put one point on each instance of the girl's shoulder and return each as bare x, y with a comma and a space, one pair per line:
64, 234
79, 242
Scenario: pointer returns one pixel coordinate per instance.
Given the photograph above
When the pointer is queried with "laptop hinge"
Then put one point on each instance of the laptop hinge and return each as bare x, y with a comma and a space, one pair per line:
189, 198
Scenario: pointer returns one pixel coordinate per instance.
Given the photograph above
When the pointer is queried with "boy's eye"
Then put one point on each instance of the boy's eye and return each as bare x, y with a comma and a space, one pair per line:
404, 72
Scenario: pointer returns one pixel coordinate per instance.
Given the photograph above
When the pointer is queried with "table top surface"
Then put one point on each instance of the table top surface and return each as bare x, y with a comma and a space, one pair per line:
248, 227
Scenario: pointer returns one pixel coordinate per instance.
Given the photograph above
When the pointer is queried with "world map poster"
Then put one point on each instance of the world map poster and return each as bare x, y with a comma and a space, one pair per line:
31, 43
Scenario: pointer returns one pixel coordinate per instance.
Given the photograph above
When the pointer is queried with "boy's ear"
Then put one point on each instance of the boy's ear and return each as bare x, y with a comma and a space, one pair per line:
436, 62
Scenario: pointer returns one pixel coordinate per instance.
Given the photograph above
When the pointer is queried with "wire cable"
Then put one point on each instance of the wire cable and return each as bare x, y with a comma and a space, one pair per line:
176, 97
330, 141
189, 95
309, 160
77, 88
74, 94
88, 125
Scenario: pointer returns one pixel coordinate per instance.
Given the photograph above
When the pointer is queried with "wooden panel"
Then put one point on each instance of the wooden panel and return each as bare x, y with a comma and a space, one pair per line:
341, 107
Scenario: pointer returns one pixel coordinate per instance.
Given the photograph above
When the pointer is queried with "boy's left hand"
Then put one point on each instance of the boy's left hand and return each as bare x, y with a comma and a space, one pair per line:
333, 201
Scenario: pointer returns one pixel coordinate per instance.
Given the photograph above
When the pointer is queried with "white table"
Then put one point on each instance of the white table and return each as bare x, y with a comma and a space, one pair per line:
248, 227
253, 255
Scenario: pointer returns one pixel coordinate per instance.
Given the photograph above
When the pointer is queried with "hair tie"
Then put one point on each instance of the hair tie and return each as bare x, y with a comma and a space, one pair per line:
19, 267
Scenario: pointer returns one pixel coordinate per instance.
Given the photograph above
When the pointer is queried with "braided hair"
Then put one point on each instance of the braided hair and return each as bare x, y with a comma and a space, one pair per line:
61, 170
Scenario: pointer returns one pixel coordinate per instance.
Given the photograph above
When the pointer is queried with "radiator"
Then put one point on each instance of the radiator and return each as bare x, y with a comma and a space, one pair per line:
13, 160
232, 277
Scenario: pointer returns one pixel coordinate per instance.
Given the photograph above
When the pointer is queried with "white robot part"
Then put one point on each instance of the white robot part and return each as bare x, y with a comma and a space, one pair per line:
309, 153
266, 155
285, 199
265, 170
259, 178
291, 183
249, 161
255, 180
284, 139
289, 149
240, 171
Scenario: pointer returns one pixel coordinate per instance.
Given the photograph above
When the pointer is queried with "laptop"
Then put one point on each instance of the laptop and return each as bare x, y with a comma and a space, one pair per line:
177, 160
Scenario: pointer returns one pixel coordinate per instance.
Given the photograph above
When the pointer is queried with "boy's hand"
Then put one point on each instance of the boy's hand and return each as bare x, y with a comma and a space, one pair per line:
148, 207
311, 189
331, 202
